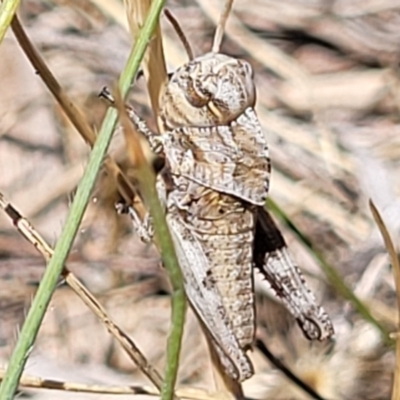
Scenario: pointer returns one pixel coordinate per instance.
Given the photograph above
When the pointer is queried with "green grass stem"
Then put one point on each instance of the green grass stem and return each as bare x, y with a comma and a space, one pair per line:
148, 190
334, 278
50, 278
8, 8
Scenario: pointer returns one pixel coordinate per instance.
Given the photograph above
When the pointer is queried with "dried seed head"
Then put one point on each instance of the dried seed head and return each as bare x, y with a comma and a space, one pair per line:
358, 367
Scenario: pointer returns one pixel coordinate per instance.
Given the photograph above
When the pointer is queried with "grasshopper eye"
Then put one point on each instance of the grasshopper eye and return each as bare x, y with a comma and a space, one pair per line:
195, 97
200, 91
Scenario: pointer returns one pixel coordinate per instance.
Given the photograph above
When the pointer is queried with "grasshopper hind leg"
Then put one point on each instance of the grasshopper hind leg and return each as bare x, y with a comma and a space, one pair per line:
272, 259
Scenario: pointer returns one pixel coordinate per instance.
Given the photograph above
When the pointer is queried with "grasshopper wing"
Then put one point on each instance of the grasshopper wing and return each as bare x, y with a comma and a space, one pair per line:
272, 258
206, 301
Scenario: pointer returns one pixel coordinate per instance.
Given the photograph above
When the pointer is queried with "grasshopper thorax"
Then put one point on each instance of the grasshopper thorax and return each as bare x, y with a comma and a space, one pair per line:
213, 89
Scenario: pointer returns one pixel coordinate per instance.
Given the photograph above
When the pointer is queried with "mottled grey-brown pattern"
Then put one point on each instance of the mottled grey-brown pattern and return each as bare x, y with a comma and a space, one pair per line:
213, 235
214, 185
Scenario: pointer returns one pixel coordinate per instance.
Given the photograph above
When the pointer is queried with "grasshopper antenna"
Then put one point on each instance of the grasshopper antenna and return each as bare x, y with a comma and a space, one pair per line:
174, 22
219, 32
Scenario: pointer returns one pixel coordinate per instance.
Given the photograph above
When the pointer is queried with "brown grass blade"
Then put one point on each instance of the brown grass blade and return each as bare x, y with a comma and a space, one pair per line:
153, 63
34, 382
29, 232
396, 273
125, 188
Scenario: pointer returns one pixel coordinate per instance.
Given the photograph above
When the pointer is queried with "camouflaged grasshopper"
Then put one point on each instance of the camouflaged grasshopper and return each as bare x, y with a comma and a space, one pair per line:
214, 186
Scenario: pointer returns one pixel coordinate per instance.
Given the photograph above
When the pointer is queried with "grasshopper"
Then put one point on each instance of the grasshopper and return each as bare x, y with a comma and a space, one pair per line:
214, 185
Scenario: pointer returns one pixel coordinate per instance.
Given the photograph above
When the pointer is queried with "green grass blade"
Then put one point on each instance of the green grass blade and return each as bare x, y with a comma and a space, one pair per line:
174, 342
334, 278
148, 190
8, 8
50, 278
147, 187
54, 268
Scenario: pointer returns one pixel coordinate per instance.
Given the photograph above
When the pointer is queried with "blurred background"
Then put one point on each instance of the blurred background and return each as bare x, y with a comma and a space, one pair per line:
328, 85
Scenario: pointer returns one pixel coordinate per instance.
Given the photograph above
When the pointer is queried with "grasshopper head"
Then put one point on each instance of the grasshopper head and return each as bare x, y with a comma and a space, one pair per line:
213, 89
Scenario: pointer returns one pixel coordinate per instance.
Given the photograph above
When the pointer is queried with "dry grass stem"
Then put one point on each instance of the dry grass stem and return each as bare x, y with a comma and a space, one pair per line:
394, 257
34, 382
28, 231
153, 63
76, 117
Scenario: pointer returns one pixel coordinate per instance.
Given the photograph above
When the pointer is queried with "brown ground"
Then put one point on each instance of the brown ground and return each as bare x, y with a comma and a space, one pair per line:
328, 97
